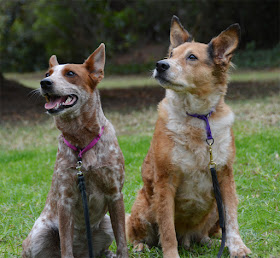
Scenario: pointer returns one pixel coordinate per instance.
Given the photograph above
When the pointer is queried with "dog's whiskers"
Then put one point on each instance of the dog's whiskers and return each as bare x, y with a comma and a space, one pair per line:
34, 93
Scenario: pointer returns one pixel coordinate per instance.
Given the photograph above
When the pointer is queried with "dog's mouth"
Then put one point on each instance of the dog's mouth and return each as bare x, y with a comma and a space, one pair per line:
57, 103
166, 83
162, 80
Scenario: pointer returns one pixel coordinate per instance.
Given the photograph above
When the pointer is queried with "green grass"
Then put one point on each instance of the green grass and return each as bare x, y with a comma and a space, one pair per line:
28, 151
252, 76
32, 80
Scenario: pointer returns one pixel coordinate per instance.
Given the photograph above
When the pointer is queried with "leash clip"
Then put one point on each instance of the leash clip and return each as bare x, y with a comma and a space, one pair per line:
211, 163
79, 168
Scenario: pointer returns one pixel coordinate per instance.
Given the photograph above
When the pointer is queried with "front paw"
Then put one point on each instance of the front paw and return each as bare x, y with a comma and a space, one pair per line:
140, 247
239, 250
109, 254
171, 254
122, 253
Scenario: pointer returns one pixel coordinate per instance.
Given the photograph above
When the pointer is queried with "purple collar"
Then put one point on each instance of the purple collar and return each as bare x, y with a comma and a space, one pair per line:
208, 129
88, 147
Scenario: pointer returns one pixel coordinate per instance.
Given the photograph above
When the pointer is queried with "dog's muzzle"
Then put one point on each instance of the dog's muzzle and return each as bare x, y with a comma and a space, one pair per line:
56, 103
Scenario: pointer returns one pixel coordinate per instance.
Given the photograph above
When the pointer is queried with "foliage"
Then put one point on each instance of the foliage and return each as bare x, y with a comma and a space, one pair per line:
258, 58
32, 30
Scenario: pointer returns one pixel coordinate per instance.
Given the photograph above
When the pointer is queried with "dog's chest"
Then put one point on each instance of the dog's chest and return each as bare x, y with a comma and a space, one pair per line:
103, 177
194, 193
190, 151
190, 155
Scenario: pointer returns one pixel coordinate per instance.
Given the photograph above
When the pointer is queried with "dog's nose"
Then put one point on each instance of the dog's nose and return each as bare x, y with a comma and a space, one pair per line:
162, 66
46, 84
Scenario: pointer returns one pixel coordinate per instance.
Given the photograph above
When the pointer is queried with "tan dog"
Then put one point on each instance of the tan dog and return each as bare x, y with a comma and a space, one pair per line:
72, 97
177, 201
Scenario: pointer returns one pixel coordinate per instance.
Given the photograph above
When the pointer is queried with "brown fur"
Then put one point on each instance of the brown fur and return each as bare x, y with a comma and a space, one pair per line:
60, 230
177, 201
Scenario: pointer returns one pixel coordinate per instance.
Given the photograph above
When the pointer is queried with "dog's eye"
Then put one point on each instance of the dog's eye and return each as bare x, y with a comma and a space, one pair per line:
47, 74
192, 57
70, 74
171, 54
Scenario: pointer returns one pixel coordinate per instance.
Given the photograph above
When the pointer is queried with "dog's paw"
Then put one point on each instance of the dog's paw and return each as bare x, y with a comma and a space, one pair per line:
239, 250
171, 254
140, 247
207, 241
186, 242
109, 254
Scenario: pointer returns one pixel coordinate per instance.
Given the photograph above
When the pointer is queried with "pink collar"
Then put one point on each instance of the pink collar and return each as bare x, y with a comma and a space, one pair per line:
88, 147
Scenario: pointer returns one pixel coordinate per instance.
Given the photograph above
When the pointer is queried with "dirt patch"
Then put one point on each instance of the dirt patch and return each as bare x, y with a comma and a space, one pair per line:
19, 103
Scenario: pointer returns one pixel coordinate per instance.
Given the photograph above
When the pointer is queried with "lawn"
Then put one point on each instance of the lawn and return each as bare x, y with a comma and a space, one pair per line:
27, 156
114, 81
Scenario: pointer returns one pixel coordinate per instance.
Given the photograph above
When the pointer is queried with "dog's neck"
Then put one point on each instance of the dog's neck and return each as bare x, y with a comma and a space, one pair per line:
81, 129
193, 104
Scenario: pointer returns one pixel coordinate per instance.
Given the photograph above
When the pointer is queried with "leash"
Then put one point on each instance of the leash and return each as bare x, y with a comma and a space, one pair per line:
82, 186
212, 167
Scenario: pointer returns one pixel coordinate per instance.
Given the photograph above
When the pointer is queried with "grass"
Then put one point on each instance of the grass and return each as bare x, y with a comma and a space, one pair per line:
32, 80
28, 151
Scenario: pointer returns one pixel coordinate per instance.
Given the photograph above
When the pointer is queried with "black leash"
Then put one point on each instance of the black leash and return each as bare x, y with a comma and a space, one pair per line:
82, 187
218, 197
216, 186
219, 201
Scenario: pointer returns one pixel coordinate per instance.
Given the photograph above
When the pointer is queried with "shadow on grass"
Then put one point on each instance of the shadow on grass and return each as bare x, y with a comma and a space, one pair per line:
19, 103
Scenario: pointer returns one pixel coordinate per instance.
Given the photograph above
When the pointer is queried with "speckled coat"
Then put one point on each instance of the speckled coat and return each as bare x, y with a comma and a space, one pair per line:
60, 230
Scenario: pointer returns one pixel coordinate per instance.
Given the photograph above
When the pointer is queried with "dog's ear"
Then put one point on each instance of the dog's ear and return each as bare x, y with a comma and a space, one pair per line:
221, 48
178, 35
53, 61
96, 62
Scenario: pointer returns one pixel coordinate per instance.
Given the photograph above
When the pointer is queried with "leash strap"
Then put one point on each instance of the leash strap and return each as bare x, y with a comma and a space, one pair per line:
82, 187
218, 197
216, 186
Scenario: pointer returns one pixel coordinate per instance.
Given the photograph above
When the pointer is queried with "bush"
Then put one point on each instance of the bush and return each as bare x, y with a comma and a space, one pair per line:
257, 58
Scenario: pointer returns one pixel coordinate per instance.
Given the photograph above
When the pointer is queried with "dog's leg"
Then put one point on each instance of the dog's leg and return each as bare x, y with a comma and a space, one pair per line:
42, 241
234, 242
66, 228
165, 209
117, 214
139, 229
103, 237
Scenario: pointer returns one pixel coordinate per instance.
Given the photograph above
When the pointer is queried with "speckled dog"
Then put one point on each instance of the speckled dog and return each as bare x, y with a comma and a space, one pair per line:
176, 203
73, 100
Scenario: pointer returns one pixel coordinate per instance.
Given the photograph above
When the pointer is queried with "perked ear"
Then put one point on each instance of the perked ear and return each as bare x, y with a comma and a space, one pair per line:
178, 35
221, 48
53, 61
96, 62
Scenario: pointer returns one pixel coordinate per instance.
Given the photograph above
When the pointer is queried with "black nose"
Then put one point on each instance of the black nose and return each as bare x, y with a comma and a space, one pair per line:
46, 84
162, 66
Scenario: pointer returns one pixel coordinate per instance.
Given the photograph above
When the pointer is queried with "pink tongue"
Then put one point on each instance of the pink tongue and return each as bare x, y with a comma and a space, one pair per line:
53, 102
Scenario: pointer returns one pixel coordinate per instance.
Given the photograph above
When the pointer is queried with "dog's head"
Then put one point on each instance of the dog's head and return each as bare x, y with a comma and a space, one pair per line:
195, 67
67, 87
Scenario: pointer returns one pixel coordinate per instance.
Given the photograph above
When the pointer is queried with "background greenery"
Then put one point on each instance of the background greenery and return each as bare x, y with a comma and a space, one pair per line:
33, 30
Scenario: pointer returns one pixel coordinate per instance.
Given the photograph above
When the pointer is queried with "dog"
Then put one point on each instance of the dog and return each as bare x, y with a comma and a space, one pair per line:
176, 204
73, 100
